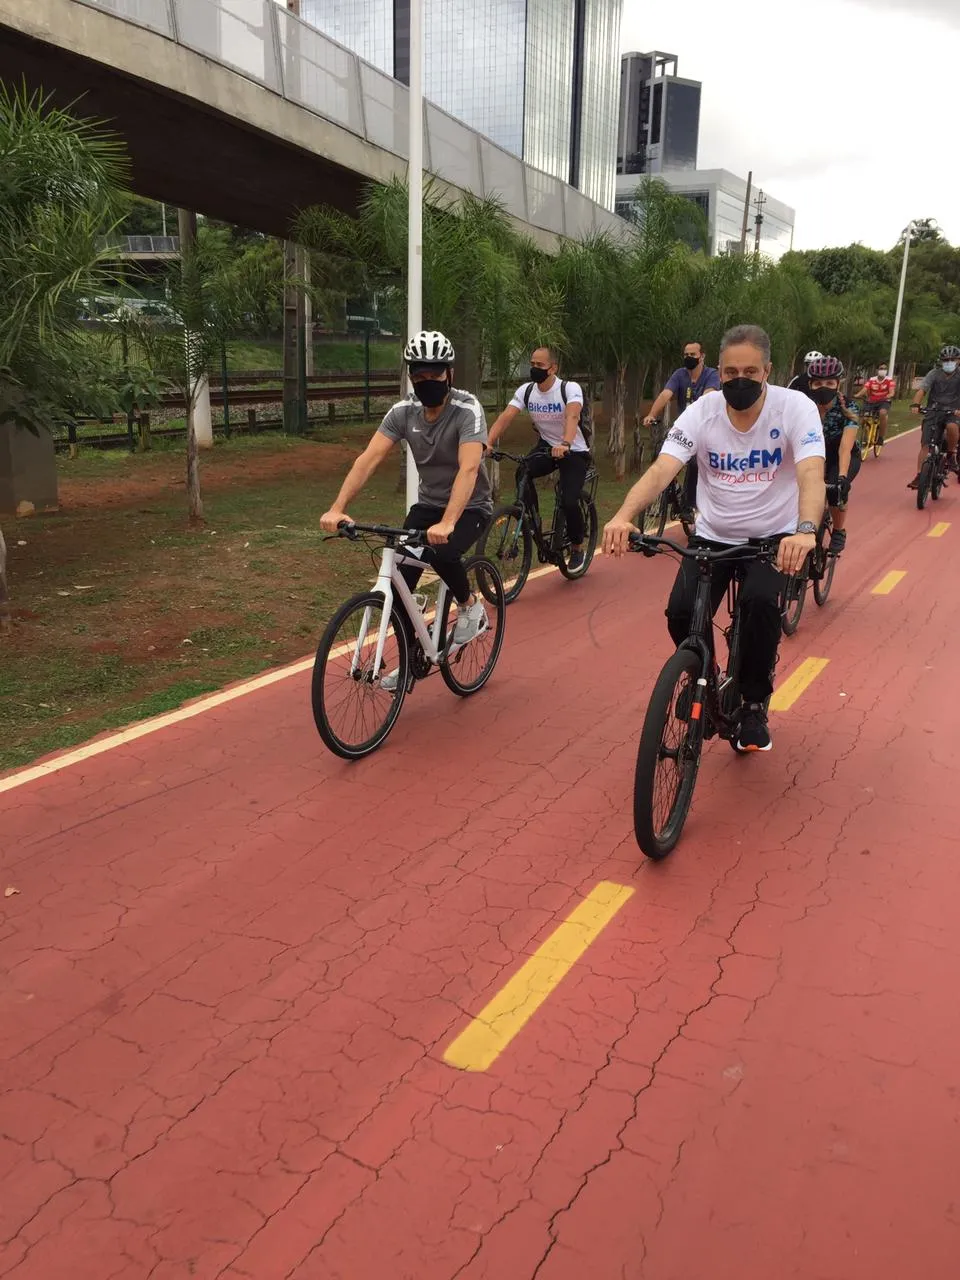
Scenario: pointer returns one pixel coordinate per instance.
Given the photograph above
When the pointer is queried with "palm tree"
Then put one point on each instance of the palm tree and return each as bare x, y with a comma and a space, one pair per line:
61, 185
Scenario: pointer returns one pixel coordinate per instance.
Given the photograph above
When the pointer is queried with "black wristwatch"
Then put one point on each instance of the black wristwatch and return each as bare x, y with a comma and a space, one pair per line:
807, 526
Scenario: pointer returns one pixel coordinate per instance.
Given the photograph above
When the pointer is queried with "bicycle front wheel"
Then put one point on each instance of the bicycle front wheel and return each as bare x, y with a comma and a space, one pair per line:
794, 598
668, 757
588, 513
924, 482
352, 710
509, 544
826, 568
471, 666
653, 519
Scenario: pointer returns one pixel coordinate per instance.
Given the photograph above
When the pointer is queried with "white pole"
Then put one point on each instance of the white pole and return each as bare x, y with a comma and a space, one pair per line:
415, 205
903, 281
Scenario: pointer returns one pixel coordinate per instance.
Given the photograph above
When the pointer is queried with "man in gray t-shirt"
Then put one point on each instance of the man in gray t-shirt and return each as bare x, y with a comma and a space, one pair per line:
446, 431
941, 386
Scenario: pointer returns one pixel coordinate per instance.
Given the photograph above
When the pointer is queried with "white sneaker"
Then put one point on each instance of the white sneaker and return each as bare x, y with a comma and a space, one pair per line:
471, 620
389, 682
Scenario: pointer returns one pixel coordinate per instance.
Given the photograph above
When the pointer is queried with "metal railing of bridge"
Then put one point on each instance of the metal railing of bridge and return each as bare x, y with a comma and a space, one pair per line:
287, 56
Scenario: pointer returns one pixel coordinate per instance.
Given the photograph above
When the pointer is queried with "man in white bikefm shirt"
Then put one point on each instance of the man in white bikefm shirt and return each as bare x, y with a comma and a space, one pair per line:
555, 408
760, 455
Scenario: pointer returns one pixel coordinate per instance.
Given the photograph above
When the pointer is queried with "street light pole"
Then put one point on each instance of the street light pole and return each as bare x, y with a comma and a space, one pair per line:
903, 281
415, 207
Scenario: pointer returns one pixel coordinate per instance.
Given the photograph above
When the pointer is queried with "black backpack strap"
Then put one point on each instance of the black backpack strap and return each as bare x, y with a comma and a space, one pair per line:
563, 392
528, 392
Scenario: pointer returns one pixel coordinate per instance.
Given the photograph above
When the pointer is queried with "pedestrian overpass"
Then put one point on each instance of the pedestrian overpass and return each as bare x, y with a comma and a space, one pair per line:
241, 111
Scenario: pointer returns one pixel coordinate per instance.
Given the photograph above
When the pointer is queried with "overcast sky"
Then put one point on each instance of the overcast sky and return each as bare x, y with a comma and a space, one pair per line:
824, 99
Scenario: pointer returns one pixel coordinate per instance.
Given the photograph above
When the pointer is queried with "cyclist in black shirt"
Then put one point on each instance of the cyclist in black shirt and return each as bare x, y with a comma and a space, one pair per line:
840, 426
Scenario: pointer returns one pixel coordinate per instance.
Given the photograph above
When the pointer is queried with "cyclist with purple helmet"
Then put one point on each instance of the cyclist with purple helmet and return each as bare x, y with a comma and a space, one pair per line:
840, 425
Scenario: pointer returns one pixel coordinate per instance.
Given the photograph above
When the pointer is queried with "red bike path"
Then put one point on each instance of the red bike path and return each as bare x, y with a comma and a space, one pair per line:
234, 965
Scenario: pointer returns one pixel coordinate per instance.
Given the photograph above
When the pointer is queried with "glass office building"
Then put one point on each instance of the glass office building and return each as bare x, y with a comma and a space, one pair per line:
721, 197
659, 124
538, 77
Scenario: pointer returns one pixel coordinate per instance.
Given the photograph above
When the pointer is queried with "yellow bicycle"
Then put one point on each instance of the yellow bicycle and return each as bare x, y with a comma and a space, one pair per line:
870, 431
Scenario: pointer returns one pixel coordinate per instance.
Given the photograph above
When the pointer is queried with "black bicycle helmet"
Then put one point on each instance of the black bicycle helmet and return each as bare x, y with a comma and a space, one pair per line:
825, 367
950, 352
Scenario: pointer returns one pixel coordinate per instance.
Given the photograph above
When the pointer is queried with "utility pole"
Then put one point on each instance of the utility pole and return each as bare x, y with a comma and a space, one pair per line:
294, 317
908, 233
415, 206
760, 201
746, 214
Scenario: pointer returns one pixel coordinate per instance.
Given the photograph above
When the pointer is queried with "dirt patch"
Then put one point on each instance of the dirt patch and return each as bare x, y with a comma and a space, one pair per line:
161, 475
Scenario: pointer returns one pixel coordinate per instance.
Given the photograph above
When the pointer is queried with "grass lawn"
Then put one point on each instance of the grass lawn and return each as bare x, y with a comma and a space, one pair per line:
122, 611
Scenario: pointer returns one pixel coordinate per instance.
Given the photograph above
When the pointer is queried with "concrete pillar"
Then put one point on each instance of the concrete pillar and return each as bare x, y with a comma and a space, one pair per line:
200, 402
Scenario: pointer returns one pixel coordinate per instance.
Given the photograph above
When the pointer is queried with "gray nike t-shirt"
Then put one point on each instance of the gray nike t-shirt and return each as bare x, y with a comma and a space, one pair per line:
436, 446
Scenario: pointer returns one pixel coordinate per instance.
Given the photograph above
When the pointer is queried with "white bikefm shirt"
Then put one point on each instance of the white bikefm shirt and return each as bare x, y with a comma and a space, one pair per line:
747, 480
548, 412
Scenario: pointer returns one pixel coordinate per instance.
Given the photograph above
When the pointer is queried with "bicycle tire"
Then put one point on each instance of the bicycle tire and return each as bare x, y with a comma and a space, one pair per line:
938, 479
655, 837
649, 519
327, 651
490, 586
512, 527
666, 502
588, 510
877, 444
795, 598
923, 483
824, 580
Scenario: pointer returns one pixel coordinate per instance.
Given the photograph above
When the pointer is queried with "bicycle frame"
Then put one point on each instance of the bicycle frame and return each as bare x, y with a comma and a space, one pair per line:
701, 633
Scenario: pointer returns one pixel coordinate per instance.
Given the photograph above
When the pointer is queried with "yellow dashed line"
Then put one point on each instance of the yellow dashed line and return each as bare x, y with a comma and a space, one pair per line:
939, 530
888, 582
796, 683
486, 1037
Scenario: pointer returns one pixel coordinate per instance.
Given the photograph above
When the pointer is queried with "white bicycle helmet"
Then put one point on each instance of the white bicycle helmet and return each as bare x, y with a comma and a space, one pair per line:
428, 347
811, 356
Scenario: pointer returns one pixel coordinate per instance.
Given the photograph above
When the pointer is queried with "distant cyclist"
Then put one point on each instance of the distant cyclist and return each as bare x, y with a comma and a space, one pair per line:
942, 388
555, 407
799, 381
878, 393
686, 385
445, 430
840, 426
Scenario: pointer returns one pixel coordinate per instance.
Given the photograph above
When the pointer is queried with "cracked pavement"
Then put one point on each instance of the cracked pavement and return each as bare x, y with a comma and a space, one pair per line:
234, 964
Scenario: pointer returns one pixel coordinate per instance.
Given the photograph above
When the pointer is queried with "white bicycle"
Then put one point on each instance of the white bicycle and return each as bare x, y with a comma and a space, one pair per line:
366, 641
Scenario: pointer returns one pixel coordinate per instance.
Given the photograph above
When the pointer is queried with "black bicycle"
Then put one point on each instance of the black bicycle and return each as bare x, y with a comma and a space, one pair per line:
516, 528
692, 700
819, 569
672, 502
933, 472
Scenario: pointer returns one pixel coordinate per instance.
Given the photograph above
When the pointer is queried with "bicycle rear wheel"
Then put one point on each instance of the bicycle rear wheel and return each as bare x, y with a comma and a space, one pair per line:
471, 666
653, 519
924, 482
509, 544
588, 511
794, 599
351, 709
668, 757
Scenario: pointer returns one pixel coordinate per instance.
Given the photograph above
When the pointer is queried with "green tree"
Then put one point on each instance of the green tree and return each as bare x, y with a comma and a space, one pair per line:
61, 185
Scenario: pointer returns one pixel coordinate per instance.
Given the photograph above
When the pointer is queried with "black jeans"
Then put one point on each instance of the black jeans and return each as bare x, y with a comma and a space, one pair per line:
573, 472
759, 616
832, 463
448, 558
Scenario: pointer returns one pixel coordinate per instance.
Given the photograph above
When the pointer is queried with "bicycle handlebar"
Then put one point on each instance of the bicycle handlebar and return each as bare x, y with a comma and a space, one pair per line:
414, 537
651, 545
497, 455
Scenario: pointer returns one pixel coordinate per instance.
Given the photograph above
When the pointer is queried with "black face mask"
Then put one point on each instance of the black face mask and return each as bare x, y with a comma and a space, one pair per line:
691, 362
822, 395
741, 393
539, 375
431, 393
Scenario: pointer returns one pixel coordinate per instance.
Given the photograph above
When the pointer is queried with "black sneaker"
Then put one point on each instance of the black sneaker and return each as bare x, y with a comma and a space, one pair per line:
754, 734
576, 558
838, 540
915, 482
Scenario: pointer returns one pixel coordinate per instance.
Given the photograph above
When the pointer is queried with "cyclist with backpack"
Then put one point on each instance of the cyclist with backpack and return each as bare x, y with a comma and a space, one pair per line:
686, 385
562, 421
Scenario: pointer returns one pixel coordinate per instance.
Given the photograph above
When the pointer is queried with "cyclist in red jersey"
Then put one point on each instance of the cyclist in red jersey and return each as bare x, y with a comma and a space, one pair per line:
878, 392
